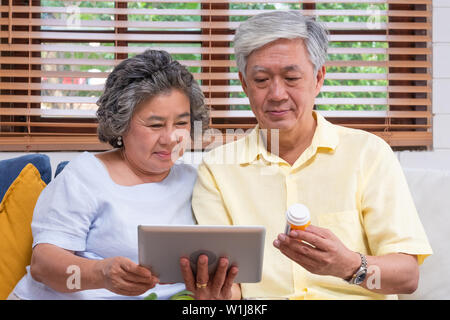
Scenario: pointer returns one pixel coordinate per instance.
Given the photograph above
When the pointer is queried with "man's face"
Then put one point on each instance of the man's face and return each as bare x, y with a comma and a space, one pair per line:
281, 85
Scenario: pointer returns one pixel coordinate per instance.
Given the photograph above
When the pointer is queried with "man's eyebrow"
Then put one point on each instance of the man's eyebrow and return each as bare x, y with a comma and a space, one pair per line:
293, 67
257, 68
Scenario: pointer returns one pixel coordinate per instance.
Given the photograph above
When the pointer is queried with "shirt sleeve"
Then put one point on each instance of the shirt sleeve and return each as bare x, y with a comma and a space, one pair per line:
63, 213
207, 201
390, 217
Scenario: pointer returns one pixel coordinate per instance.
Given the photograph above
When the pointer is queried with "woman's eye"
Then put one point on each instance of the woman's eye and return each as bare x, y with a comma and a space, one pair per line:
156, 126
182, 123
260, 80
292, 79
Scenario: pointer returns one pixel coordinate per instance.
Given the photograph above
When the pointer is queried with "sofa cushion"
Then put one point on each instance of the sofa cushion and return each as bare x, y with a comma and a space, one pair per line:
431, 192
10, 169
16, 212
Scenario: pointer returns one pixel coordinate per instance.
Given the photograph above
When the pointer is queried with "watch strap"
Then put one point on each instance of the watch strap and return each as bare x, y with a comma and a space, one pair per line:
361, 270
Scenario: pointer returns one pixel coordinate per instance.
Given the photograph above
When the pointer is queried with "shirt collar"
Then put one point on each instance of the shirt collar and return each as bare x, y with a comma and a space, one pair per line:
254, 145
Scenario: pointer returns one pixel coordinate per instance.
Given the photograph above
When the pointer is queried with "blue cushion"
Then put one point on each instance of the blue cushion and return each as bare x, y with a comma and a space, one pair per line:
10, 169
60, 167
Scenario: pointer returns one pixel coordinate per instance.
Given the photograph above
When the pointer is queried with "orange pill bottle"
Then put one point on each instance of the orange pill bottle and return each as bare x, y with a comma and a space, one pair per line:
297, 218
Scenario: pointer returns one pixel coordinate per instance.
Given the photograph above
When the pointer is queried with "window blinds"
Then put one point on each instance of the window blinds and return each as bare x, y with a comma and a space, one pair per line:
55, 57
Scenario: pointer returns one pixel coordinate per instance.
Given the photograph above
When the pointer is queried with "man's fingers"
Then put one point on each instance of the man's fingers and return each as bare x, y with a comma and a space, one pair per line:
219, 277
295, 249
311, 237
202, 270
232, 273
188, 276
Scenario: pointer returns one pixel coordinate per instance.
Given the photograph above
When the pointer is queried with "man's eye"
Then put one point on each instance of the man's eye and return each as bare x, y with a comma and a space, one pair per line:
292, 79
260, 80
156, 126
182, 123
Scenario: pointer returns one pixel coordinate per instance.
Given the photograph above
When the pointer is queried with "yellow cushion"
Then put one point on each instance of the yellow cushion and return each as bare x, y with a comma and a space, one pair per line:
16, 213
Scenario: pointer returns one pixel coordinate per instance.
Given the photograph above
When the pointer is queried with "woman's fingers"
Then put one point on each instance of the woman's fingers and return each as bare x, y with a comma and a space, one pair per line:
124, 277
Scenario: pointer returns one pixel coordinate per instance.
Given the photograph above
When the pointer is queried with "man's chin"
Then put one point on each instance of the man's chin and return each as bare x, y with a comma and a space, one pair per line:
282, 125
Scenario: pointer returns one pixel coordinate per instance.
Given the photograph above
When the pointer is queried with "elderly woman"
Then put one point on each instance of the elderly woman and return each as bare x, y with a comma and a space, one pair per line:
85, 221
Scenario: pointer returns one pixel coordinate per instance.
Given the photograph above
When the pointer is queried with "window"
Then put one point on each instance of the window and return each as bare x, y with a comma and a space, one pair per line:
56, 55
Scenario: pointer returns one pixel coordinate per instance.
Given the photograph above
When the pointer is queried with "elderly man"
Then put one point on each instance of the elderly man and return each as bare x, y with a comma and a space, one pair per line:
365, 238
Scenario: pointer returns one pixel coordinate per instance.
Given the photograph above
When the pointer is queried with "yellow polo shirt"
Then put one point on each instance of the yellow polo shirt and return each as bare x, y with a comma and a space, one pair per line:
350, 180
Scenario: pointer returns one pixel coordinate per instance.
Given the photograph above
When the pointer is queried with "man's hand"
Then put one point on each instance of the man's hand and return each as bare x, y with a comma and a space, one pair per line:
217, 287
323, 254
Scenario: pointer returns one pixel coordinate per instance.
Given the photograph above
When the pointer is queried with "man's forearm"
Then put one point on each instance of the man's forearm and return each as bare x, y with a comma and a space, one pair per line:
395, 273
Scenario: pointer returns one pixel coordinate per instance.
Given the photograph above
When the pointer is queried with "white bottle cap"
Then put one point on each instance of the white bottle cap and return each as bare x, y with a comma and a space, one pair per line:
298, 214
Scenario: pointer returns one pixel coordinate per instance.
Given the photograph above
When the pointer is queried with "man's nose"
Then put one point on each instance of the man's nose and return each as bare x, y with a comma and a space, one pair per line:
278, 90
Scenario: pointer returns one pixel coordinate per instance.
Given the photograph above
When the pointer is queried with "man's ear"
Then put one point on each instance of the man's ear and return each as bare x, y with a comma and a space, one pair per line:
243, 83
320, 78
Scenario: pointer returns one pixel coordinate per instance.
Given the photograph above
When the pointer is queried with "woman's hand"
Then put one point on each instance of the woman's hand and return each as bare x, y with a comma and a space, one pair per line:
219, 287
122, 276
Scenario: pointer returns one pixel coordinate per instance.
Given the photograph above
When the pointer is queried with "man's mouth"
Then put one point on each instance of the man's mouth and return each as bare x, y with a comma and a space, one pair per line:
278, 112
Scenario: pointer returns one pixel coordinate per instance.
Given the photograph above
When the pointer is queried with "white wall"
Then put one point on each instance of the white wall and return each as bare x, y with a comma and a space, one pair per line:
439, 158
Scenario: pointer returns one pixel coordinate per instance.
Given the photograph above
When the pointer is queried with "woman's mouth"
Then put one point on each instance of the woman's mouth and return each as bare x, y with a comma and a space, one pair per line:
164, 155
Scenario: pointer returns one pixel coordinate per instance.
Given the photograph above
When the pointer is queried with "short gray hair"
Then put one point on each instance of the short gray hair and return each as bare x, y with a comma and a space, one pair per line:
136, 79
270, 26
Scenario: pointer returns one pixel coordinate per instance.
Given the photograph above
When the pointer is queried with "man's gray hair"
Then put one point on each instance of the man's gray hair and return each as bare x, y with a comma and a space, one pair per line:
137, 79
270, 26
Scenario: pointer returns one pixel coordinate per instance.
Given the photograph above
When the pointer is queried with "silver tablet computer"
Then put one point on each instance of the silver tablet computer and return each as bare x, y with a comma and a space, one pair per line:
161, 247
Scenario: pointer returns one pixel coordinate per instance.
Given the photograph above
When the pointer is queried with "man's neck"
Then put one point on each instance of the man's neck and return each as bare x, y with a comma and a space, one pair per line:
292, 143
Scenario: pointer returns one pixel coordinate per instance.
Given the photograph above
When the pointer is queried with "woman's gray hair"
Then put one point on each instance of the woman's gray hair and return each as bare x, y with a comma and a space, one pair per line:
270, 26
137, 79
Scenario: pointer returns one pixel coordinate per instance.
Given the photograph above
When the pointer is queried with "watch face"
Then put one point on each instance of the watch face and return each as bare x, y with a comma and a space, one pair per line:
360, 278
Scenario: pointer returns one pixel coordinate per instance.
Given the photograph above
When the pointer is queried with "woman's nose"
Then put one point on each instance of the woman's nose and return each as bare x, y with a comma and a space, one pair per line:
168, 137
172, 136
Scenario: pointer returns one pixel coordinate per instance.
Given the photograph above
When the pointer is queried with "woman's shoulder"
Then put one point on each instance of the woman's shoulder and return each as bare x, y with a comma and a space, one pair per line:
185, 171
84, 167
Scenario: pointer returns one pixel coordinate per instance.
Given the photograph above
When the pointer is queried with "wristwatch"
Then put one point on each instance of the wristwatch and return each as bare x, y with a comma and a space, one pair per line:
361, 273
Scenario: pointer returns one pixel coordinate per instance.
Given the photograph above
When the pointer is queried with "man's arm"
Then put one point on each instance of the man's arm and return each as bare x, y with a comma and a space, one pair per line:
393, 273
207, 201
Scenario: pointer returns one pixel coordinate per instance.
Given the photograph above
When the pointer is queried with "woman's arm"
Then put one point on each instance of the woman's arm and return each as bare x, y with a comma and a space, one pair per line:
57, 267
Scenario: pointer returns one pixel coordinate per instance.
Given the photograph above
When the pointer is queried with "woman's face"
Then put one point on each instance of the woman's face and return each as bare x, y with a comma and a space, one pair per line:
158, 132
